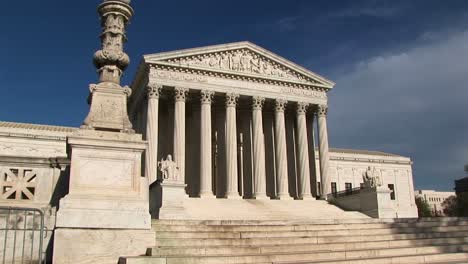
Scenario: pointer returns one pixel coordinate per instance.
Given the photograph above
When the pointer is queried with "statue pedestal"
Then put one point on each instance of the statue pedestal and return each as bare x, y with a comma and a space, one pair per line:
171, 196
376, 202
106, 187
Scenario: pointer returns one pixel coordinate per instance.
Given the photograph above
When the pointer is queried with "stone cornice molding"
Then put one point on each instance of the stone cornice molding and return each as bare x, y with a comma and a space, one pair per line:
206, 96
322, 110
154, 91
257, 102
302, 108
231, 99
180, 94
280, 105
177, 72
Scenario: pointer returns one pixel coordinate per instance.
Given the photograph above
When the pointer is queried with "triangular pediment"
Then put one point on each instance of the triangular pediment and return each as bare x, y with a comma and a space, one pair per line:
240, 58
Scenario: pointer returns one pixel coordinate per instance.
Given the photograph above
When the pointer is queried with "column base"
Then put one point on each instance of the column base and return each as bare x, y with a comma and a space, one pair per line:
233, 196
308, 197
207, 195
261, 197
285, 197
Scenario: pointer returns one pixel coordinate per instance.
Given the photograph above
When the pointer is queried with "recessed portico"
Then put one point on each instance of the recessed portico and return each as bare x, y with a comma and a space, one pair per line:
238, 120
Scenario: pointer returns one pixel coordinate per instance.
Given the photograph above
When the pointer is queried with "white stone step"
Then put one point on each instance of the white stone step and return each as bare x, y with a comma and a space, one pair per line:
271, 249
310, 257
295, 227
438, 258
317, 233
313, 221
301, 240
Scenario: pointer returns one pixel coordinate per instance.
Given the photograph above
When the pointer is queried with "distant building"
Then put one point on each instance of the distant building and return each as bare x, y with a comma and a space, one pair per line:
434, 199
461, 185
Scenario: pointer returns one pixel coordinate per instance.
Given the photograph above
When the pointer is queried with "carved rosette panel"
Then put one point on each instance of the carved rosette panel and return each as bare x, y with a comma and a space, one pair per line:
180, 94
231, 99
154, 91
257, 102
322, 110
206, 96
244, 61
18, 183
302, 108
280, 105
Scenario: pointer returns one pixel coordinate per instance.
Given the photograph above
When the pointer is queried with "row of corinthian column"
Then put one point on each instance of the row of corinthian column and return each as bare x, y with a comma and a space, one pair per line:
259, 166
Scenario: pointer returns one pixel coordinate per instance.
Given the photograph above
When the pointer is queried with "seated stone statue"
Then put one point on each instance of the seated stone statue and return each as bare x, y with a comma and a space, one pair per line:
169, 169
371, 179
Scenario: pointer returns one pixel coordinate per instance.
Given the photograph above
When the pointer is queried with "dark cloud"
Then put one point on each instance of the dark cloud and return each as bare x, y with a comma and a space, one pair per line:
412, 103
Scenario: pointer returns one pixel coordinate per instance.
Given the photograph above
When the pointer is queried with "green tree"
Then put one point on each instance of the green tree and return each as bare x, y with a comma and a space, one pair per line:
450, 206
424, 210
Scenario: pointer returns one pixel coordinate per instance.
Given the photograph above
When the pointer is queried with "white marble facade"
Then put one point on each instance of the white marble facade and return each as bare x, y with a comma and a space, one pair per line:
240, 122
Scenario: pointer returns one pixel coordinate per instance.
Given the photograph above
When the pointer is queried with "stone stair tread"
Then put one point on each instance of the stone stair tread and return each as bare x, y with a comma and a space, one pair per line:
311, 234
298, 240
451, 258
245, 259
447, 248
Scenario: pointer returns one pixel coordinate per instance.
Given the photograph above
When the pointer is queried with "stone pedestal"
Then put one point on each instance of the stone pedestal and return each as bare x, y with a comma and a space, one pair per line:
172, 202
106, 187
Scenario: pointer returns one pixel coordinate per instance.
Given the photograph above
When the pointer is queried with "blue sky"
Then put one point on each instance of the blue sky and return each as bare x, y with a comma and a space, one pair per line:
400, 66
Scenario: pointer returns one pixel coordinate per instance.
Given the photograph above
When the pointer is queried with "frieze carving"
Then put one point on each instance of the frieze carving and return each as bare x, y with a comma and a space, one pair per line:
206, 96
280, 105
231, 99
154, 90
303, 92
302, 107
177, 76
180, 94
322, 110
243, 61
257, 102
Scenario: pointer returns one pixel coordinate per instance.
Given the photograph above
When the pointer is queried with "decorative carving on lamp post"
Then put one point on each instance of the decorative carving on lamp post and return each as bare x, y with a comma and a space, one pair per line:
108, 98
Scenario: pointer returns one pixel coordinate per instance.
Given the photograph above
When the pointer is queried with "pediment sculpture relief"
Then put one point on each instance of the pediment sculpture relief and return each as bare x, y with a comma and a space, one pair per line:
243, 61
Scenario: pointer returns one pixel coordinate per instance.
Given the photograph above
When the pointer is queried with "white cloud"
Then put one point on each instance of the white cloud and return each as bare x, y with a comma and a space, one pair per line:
412, 103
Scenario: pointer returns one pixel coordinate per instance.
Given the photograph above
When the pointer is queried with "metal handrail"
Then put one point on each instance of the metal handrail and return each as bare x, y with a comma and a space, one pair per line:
345, 193
18, 212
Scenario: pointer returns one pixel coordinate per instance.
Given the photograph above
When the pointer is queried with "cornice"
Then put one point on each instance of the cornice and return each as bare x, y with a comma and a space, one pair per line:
208, 72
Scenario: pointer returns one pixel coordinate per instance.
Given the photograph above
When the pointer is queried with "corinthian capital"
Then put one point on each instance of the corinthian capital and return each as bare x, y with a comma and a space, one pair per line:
280, 105
322, 110
154, 91
206, 96
302, 108
231, 99
180, 94
257, 102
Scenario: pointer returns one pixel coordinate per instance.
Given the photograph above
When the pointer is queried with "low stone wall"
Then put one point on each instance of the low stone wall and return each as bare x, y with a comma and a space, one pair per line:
374, 202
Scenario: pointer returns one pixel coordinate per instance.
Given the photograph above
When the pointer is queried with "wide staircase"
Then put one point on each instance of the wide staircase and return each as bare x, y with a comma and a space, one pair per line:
373, 241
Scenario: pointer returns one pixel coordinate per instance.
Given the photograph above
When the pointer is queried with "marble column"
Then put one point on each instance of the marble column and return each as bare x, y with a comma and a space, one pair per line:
152, 132
180, 95
323, 150
205, 145
303, 151
231, 147
258, 149
280, 148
